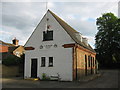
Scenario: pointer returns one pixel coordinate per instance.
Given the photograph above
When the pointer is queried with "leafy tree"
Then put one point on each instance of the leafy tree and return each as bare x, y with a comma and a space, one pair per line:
108, 39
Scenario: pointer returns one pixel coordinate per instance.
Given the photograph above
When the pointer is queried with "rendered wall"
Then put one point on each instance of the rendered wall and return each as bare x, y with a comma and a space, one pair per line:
62, 57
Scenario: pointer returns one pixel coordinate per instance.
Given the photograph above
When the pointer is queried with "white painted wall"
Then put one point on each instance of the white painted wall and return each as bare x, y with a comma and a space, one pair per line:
62, 57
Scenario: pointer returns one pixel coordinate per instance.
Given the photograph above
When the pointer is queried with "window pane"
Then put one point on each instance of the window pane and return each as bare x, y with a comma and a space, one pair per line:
89, 61
85, 57
93, 61
44, 35
48, 35
42, 61
50, 61
85, 60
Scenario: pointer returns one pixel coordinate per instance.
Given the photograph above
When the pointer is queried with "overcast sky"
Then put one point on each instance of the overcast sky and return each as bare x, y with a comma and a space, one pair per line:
19, 19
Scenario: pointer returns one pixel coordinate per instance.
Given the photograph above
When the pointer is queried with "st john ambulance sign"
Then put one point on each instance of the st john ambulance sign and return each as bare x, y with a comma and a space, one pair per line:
48, 46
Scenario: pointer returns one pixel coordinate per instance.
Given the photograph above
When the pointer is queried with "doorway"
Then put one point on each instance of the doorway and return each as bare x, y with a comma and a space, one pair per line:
34, 68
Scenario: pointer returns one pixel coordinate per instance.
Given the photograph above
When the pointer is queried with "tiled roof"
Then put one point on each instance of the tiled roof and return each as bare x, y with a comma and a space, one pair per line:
71, 32
11, 47
6, 44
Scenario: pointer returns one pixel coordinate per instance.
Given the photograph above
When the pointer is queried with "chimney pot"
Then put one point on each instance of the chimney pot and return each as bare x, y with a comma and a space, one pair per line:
15, 41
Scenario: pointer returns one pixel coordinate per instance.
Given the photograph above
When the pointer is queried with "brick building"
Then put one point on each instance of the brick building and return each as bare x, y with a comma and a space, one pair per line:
56, 49
8, 49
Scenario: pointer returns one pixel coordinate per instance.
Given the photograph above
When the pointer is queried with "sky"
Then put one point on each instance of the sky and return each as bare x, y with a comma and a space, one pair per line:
20, 18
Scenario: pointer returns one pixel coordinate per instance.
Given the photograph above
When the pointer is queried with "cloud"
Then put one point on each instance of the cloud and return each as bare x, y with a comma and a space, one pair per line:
82, 15
50, 5
60, 0
20, 18
91, 40
3, 35
8, 33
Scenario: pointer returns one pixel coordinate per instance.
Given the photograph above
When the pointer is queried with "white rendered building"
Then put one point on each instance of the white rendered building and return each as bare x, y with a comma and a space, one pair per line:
55, 48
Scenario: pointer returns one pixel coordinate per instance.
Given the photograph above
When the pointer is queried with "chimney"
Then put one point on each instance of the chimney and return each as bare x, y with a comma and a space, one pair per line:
15, 41
78, 36
85, 41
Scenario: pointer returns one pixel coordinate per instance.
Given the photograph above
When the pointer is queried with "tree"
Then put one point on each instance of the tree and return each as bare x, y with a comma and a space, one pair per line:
108, 39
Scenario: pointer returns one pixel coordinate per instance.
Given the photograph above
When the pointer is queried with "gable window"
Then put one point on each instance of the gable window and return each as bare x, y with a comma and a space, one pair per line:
47, 35
42, 61
50, 61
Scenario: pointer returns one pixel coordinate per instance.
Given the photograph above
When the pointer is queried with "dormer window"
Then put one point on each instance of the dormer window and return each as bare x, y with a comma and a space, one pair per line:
47, 35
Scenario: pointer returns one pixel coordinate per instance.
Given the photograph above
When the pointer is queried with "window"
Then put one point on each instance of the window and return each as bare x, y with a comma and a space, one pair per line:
42, 61
85, 65
88, 61
93, 62
85, 58
50, 61
47, 35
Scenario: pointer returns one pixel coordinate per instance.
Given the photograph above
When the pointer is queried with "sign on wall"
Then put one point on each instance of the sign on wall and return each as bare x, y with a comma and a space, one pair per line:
48, 46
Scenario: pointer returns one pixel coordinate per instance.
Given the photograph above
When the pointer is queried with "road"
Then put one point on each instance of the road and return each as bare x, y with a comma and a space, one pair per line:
108, 79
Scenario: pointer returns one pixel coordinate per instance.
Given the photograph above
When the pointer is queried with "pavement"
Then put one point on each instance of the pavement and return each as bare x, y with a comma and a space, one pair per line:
107, 79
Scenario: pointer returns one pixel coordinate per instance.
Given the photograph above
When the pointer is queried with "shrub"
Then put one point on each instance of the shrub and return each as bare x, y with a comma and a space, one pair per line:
45, 77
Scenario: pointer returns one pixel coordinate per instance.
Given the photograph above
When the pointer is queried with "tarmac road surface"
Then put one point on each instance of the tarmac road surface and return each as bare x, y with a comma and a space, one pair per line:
108, 79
